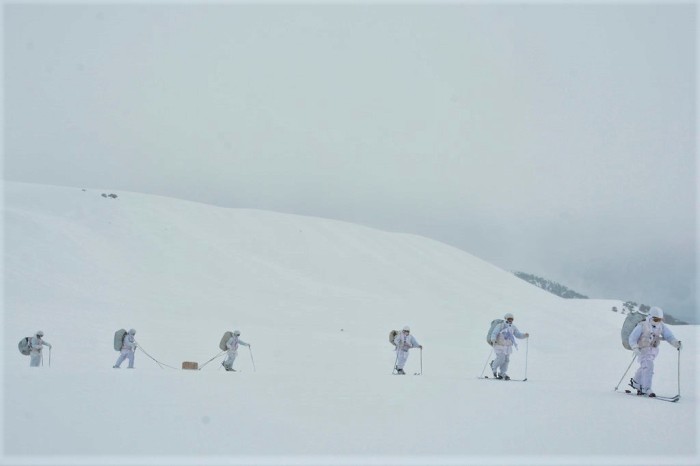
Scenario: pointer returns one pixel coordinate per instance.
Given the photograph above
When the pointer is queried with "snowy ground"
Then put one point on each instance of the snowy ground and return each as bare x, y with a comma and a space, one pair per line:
316, 299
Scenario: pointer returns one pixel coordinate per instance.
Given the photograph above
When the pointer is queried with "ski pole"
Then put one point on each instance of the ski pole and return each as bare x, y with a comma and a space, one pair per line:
49, 357
679, 370
421, 361
634, 356
527, 350
393, 371
487, 361
251, 357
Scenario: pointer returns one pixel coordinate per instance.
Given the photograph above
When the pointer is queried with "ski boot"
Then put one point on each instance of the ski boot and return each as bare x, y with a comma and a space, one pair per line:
495, 375
228, 368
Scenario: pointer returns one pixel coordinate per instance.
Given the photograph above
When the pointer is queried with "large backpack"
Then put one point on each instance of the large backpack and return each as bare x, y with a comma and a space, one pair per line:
119, 339
494, 322
25, 345
633, 319
392, 336
222, 344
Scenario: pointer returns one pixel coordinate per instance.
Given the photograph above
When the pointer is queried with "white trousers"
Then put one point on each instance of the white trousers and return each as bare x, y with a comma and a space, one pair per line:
401, 358
500, 364
125, 354
230, 357
34, 358
645, 372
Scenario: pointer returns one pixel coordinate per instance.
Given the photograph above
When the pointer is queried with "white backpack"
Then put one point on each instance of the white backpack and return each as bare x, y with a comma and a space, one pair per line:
119, 339
633, 319
25, 345
392, 336
222, 344
494, 322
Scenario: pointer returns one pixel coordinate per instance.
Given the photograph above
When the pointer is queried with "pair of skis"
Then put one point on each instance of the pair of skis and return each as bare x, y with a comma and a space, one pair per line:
504, 380
670, 399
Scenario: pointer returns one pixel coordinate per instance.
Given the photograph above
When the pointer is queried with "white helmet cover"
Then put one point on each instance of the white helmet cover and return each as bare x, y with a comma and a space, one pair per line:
656, 312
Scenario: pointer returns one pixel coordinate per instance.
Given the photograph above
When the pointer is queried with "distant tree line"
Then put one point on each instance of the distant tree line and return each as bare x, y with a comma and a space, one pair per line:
631, 306
564, 292
548, 285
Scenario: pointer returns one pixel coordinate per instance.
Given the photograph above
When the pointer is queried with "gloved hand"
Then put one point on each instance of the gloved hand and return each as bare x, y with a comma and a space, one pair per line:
636, 351
678, 345
493, 342
49, 345
527, 335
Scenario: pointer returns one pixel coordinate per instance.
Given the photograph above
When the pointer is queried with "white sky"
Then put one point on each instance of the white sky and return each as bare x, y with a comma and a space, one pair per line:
554, 139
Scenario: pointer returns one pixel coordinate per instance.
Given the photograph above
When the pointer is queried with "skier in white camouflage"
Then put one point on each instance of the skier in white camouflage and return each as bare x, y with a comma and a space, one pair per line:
644, 341
127, 351
503, 339
404, 341
232, 346
35, 344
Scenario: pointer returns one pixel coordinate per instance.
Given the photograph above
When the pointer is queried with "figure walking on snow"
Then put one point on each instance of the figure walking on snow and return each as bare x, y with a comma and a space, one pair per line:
127, 351
404, 341
644, 341
35, 344
503, 339
232, 347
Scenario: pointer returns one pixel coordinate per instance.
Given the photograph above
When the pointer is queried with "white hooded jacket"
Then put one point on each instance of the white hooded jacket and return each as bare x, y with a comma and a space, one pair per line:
503, 334
648, 334
129, 343
405, 342
233, 342
36, 342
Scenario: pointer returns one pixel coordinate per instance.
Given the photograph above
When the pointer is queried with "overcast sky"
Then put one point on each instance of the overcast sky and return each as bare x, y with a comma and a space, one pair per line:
552, 139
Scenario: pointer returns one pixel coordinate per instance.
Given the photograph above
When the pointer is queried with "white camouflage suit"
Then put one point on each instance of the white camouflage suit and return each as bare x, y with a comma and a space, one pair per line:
404, 341
128, 348
503, 342
35, 344
644, 341
232, 347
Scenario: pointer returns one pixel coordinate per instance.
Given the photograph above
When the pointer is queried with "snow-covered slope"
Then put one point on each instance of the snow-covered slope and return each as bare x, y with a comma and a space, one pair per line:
316, 298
